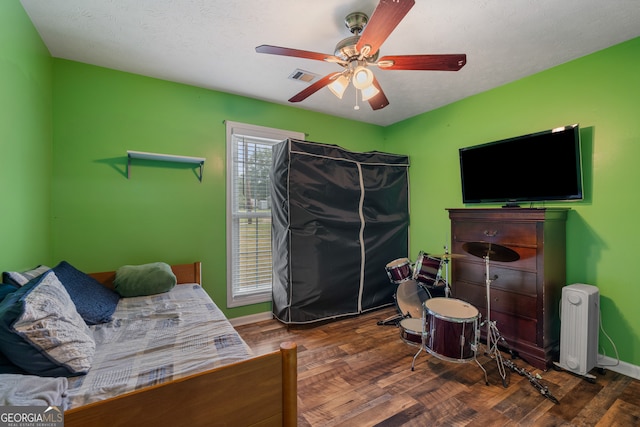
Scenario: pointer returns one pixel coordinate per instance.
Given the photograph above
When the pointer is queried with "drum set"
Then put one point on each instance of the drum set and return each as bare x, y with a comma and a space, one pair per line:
446, 327
417, 283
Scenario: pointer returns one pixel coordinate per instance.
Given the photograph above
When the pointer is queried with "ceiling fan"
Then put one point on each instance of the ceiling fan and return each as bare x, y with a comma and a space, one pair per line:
356, 53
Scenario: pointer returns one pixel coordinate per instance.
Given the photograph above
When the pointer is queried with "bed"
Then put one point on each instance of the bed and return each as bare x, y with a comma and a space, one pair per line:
243, 390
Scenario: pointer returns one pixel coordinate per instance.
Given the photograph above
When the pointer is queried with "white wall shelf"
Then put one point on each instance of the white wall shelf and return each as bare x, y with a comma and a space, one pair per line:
163, 158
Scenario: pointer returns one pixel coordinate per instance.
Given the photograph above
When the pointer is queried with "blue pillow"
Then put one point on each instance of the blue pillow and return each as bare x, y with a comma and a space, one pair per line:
6, 289
94, 302
7, 367
41, 331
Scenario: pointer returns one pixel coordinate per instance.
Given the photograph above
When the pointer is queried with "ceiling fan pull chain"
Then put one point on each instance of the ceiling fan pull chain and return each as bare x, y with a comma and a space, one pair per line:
356, 107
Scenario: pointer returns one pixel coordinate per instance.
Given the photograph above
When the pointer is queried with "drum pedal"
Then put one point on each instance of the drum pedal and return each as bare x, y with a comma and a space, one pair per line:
393, 320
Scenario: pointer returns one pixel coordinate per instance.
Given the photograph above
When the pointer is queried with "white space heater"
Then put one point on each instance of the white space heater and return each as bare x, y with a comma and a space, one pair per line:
580, 320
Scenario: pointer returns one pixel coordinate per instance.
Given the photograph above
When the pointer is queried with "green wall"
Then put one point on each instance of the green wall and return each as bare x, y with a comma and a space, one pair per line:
102, 220
25, 141
601, 92
66, 126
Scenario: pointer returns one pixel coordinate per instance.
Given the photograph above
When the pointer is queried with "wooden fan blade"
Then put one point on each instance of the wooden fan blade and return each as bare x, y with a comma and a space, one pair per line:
423, 62
384, 20
297, 53
379, 101
311, 89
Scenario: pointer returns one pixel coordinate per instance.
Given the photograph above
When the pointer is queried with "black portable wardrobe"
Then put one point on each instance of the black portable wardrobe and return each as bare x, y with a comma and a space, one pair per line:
338, 217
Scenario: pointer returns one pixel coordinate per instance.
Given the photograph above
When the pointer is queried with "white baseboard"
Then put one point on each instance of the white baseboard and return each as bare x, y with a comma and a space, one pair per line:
252, 318
621, 367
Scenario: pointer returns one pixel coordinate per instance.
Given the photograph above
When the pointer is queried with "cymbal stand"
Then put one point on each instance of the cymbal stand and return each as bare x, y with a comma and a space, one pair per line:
445, 260
493, 335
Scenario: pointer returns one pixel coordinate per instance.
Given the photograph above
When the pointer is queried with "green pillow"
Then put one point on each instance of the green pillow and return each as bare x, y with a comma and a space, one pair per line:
146, 279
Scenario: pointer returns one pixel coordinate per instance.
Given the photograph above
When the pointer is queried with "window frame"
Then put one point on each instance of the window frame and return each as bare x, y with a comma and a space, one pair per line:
271, 136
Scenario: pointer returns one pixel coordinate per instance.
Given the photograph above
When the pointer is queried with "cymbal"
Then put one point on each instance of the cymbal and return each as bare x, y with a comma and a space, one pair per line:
493, 251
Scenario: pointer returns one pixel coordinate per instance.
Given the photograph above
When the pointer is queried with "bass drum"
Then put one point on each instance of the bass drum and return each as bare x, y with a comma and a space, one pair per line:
409, 298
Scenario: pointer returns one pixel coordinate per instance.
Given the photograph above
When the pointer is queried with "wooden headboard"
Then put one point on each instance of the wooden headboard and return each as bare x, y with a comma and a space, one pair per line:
185, 273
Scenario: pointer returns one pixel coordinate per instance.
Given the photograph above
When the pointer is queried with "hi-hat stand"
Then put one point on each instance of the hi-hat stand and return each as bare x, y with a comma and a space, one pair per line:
488, 251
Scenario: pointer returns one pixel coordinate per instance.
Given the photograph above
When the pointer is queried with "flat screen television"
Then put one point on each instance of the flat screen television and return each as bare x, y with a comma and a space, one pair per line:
542, 166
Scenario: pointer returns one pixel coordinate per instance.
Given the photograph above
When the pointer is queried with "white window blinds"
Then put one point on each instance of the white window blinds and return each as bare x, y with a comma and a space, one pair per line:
249, 266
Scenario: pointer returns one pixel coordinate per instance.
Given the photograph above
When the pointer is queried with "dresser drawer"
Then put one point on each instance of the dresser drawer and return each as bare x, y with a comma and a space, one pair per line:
502, 301
512, 329
520, 281
495, 232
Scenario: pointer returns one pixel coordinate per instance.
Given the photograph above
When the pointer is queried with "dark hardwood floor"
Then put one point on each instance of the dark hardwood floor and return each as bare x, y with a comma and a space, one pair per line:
352, 372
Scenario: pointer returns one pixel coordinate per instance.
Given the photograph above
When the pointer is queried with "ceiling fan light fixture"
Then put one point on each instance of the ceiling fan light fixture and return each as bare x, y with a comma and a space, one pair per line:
361, 50
338, 86
369, 92
362, 77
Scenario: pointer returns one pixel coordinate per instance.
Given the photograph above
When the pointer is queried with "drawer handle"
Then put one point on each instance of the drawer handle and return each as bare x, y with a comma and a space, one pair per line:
491, 233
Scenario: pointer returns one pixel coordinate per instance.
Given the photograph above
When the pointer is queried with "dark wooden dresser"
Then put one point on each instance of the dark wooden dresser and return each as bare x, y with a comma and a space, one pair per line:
525, 294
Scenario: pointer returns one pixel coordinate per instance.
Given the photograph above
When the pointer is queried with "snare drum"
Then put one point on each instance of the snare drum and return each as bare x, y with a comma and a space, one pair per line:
411, 331
451, 327
409, 299
428, 271
399, 270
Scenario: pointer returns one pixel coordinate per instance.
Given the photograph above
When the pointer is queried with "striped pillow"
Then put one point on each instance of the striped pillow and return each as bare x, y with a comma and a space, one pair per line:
41, 331
22, 278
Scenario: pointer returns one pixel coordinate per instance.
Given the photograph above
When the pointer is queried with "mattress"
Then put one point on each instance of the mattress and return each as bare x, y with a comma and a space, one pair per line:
154, 339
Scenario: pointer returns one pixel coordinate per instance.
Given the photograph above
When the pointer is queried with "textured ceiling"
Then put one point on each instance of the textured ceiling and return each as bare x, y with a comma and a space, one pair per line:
211, 43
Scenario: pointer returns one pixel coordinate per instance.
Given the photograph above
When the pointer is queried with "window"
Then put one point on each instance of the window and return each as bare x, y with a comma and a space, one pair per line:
249, 268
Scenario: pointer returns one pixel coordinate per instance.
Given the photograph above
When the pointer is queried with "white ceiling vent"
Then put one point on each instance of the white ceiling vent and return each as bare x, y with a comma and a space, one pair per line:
303, 76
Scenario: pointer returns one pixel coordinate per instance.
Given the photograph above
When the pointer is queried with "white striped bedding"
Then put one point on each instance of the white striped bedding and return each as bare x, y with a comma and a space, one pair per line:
154, 339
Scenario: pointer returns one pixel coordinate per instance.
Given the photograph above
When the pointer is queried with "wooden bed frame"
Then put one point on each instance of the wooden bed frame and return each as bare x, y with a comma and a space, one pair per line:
261, 391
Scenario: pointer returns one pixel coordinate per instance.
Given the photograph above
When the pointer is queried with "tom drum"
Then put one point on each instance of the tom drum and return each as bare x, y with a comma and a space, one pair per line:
427, 271
411, 331
399, 270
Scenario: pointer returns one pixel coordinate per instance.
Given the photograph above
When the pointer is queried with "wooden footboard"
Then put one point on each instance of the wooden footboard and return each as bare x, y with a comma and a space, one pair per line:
261, 391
